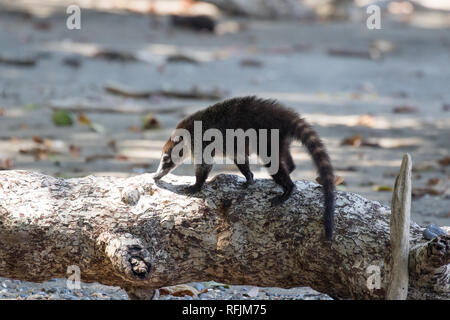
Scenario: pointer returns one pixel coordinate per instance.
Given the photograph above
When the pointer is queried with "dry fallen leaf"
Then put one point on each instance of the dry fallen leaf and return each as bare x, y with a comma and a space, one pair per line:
444, 161
83, 119
354, 141
122, 157
112, 145
179, 291
74, 151
420, 192
358, 141
6, 164
38, 139
404, 109
382, 188
337, 180
38, 153
433, 181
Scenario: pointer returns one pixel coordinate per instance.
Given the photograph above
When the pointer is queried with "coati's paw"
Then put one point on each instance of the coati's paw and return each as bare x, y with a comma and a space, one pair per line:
192, 189
247, 183
276, 201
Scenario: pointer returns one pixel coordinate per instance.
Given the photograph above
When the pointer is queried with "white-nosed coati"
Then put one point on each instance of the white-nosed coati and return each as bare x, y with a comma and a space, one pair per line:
253, 113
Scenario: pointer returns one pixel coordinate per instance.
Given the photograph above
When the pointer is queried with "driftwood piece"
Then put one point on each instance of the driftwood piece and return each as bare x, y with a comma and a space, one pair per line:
264, 8
399, 235
139, 235
194, 93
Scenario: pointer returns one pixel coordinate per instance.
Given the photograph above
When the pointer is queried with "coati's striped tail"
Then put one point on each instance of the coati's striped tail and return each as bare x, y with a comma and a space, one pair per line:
312, 142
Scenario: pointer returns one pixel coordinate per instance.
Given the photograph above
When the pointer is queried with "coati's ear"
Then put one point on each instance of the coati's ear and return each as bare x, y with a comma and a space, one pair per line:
165, 158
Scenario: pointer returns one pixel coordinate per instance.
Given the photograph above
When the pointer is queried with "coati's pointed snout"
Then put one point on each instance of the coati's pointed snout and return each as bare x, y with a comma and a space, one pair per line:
159, 174
165, 166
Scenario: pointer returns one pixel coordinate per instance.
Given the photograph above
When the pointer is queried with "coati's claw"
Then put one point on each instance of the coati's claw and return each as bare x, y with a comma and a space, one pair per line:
192, 189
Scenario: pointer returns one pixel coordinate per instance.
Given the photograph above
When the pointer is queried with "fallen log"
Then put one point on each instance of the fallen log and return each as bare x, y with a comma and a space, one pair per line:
141, 235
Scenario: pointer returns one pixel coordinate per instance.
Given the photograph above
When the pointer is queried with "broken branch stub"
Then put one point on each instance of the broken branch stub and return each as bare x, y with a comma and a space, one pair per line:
399, 232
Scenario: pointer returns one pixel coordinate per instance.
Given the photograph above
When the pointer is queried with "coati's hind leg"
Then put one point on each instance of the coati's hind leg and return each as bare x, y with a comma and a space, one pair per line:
289, 161
283, 179
245, 170
201, 174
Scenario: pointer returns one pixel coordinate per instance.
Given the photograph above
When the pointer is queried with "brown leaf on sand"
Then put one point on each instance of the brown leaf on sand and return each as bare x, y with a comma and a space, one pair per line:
420, 192
38, 139
74, 151
38, 153
444, 161
337, 180
163, 291
382, 188
121, 157
354, 141
194, 93
358, 141
179, 290
433, 181
112, 145
83, 119
6, 164
2, 112
404, 109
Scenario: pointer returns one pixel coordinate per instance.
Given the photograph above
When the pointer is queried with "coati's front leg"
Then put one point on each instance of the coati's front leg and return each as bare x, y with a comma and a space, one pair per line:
201, 174
244, 168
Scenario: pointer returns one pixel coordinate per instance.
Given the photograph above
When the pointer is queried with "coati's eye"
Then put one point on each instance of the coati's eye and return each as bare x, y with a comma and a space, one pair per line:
166, 158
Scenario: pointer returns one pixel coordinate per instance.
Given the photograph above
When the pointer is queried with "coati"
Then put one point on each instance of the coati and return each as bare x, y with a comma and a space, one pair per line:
255, 113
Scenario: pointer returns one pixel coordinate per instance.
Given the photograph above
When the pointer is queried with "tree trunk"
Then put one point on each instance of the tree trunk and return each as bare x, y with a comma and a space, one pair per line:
139, 235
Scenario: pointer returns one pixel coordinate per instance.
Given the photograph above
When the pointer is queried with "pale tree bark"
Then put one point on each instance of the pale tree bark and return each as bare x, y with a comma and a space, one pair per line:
264, 8
140, 236
282, 9
399, 233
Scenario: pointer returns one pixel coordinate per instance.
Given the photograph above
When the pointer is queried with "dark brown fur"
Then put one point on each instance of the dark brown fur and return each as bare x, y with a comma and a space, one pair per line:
254, 113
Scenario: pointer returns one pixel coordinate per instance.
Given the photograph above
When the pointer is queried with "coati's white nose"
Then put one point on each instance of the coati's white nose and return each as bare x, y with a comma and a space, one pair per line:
160, 172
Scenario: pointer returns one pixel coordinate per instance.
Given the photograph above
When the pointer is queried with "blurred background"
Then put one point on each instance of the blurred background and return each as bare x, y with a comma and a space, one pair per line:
103, 99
